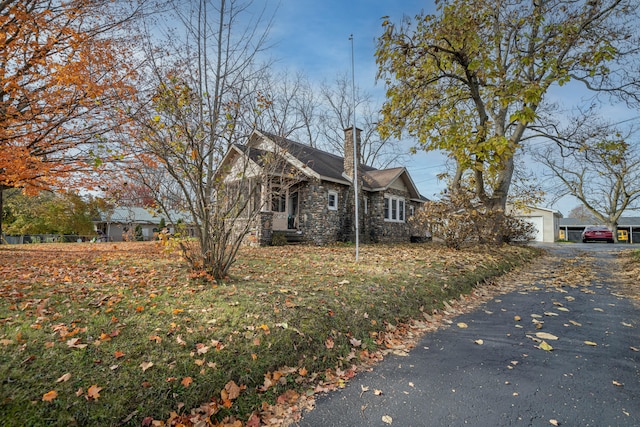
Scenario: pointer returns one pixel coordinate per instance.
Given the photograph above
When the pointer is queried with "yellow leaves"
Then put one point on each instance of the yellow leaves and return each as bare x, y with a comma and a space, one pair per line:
591, 343
554, 422
617, 383
462, 325
387, 419
329, 343
545, 346
49, 396
155, 338
546, 336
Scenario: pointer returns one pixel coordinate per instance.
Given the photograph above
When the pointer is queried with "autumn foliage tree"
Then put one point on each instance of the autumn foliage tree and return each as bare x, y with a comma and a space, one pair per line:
61, 68
471, 79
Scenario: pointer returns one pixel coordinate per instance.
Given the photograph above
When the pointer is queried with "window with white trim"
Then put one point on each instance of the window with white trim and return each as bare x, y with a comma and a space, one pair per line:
394, 209
332, 201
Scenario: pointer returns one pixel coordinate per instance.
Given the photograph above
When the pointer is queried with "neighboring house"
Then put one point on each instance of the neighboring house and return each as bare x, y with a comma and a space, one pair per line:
313, 200
121, 222
628, 229
545, 221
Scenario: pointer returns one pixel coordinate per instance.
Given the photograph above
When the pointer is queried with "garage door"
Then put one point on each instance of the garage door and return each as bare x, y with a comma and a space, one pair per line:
537, 222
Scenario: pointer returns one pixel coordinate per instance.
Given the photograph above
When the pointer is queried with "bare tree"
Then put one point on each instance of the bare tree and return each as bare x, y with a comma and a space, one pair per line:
200, 104
595, 163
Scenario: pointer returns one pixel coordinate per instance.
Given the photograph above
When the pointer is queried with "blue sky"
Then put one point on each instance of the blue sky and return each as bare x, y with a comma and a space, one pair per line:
312, 36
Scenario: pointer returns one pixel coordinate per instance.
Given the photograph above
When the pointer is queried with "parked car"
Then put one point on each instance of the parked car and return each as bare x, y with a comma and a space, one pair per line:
593, 233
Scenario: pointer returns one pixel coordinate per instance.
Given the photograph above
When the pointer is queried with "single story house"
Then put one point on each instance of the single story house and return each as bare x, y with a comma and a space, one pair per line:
120, 223
545, 221
312, 198
628, 231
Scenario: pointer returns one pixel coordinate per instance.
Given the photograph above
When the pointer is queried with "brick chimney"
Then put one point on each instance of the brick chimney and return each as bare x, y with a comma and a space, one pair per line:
348, 150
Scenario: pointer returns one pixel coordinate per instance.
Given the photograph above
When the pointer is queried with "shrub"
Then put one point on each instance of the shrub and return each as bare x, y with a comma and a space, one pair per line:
458, 219
278, 239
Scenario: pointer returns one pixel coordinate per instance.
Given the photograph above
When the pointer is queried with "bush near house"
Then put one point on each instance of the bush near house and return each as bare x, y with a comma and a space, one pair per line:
122, 334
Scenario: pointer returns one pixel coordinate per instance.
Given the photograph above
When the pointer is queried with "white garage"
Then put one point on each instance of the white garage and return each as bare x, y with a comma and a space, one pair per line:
546, 221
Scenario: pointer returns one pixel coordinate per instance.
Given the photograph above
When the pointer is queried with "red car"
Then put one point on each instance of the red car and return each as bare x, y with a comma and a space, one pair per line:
594, 233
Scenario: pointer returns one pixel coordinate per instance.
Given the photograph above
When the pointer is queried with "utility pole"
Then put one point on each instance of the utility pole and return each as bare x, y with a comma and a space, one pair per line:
355, 149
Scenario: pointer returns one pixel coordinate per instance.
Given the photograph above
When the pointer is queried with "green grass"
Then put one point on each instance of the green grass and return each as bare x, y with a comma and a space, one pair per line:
295, 311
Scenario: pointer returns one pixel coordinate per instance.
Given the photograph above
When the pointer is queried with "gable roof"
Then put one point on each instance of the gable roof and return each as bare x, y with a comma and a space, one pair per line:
330, 167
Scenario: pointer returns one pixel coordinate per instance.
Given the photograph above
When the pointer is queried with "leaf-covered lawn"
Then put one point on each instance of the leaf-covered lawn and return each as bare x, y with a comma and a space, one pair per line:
123, 334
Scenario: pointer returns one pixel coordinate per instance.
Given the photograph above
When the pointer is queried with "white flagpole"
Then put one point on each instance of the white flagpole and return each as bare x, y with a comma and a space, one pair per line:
355, 149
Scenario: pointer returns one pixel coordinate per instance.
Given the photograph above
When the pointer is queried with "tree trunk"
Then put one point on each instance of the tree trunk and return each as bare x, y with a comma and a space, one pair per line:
1, 212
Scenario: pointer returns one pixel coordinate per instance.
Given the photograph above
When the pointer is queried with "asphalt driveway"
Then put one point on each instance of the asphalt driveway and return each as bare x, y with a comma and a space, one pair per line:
562, 348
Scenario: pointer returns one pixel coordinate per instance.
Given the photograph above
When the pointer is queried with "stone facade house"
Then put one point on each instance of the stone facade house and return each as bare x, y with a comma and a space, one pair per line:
311, 199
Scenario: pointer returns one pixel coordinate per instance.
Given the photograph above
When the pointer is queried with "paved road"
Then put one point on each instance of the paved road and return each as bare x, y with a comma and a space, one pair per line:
450, 380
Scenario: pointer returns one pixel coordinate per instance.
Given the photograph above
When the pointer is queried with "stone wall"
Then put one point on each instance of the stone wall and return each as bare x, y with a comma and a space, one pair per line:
321, 226
318, 224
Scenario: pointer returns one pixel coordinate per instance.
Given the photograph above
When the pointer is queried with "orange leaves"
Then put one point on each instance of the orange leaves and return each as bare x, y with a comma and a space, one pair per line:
49, 396
329, 343
186, 381
93, 393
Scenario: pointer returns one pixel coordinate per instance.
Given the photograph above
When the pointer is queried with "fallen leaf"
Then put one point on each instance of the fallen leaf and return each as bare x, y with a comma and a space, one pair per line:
387, 419
186, 381
462, 325
232, 389
329, 343
598, 309
354, 342
302, 371
545, 346
377, 392
591, 343
574, 323
554, 422
628, 325
546, 336
118, 354
75, 343
146, 365
65, 377
93, 392
517, 318
616, 383
479, 342
180, 341
49, 396
155, 338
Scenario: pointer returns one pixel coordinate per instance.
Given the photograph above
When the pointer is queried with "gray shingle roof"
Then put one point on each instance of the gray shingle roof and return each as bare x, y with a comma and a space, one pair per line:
330, 166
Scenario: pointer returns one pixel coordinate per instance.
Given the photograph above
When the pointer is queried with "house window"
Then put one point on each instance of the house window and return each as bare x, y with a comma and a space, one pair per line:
394, 209
278, 200
366, 205
386, 208
332, 201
